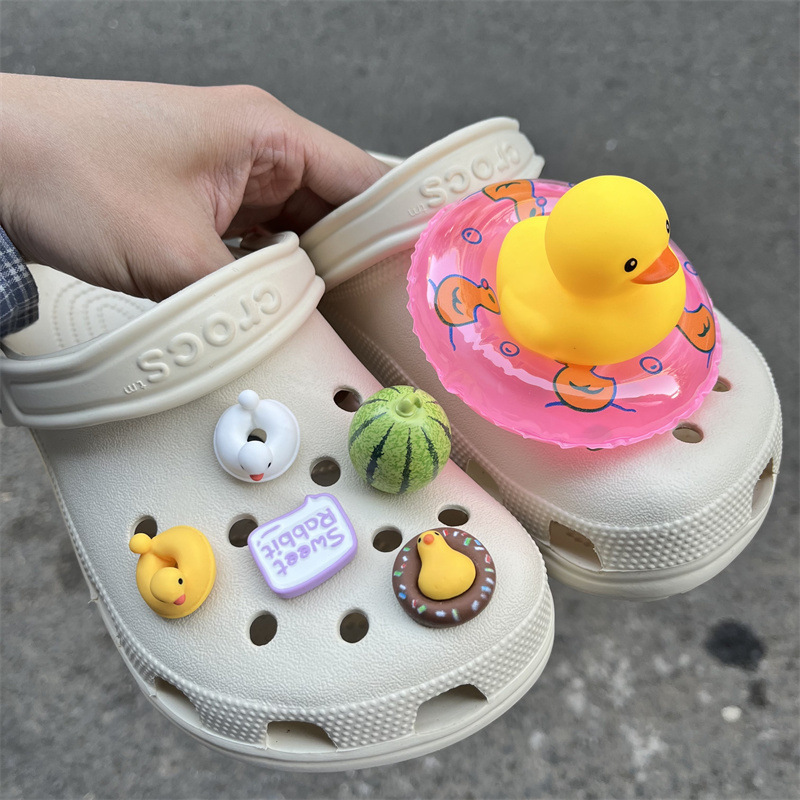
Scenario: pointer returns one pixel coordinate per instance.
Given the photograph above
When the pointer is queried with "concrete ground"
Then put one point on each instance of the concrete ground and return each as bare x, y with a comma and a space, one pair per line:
692, 697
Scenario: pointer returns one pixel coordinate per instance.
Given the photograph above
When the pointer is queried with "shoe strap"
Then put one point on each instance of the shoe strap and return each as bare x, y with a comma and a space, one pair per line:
190, 344
389, 216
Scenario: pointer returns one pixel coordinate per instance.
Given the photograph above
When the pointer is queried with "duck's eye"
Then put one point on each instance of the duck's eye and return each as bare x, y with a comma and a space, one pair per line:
180, 581
667, 226
631, 264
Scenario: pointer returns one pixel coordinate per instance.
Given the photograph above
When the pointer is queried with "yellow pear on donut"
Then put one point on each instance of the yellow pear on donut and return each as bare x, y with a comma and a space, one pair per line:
445, 572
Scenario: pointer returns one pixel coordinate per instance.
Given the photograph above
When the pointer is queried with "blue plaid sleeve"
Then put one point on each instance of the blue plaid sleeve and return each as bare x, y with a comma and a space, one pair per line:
19, 298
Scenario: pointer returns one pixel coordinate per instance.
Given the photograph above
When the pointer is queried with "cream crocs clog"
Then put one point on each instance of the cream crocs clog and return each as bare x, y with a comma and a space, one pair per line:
643, 521
123, 398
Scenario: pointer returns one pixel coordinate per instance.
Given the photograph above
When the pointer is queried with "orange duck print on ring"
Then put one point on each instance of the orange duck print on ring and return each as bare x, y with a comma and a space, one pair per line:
699, 329
457, 300
582, 389
521, 193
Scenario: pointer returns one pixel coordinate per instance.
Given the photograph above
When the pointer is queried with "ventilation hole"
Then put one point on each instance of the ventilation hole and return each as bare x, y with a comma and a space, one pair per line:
298, 737
175, 701
347, 399
257, 435
146, 525
240, 530
449, 709
722, 385
483, 479
573, 546
453, 516
263, 629
353, 628
325, 472
686, 432
762, 491
387, 539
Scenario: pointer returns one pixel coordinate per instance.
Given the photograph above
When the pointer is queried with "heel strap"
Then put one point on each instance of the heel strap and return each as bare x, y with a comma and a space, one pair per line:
391, 214
185, 347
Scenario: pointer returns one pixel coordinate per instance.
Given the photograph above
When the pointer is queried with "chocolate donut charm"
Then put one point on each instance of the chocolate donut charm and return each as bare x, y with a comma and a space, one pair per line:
455, 610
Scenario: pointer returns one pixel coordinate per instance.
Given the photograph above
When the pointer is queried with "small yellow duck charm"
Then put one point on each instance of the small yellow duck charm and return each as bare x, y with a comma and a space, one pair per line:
445, 572
176, 570
595, 282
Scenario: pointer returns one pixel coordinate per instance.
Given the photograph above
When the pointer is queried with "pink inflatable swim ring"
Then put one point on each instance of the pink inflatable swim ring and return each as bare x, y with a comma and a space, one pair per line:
456, 315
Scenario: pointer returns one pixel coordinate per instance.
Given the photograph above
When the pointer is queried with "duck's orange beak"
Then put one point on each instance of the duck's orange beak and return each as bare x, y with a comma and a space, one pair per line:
427, 538
181, 600
665, 266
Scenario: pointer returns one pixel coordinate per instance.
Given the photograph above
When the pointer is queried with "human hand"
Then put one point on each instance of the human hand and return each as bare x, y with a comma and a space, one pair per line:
132, 186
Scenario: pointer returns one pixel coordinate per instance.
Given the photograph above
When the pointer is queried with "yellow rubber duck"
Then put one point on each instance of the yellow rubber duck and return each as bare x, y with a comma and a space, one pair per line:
595, 282
445, 573
176, 570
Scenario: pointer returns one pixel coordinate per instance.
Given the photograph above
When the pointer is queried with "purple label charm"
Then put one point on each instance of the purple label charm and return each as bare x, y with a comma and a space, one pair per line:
305, 547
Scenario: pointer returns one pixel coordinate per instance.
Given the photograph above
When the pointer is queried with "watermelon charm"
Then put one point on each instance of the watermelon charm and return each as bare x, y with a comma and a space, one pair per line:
399, 439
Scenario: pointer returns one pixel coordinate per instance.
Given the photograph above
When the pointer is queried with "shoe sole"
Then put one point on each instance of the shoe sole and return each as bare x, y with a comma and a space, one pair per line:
649, 586
450, 727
